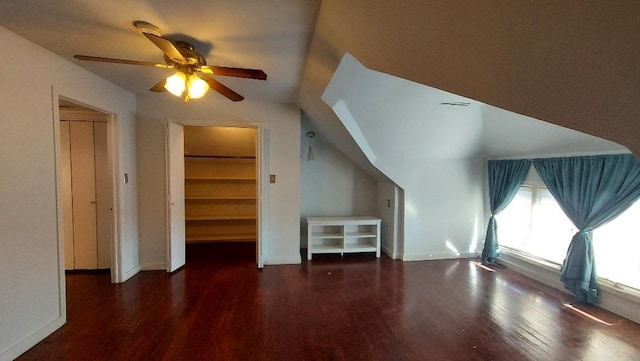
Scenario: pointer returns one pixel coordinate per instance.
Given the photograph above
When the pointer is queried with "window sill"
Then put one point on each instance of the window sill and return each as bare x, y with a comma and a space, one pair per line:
550, 266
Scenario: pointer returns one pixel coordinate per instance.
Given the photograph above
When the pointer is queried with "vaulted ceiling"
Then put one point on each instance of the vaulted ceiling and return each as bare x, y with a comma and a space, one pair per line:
570, 63
273, 36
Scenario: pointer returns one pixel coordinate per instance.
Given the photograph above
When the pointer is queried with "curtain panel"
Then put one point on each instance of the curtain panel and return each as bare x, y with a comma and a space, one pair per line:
505, 177
591, 191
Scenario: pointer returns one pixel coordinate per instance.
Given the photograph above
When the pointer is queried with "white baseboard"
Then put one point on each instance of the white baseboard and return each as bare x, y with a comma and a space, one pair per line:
28, 342
130, 273
408, 257
284, 260
159, 266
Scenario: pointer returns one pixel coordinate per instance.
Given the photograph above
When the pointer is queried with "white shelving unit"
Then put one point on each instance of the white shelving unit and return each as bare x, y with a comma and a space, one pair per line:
343, 235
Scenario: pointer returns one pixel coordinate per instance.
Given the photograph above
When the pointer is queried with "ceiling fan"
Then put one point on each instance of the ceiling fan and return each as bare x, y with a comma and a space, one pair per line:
193, 74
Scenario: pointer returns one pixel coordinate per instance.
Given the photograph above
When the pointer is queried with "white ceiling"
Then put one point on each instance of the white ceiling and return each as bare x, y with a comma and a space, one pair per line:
574, 65
272, 36
575, 69
406, 123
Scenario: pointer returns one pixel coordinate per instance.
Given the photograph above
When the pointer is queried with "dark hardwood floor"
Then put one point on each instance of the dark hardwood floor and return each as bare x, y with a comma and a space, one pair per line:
219, 307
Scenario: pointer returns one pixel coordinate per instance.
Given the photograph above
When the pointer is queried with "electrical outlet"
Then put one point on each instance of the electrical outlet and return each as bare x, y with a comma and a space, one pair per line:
272, 178
388, 203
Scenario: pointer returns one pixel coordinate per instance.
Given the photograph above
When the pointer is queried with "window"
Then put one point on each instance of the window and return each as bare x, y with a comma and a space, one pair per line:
616, 247
533, 224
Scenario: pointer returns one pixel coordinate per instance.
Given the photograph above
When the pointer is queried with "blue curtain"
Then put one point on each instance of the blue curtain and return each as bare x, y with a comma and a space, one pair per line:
505, 177
591, 191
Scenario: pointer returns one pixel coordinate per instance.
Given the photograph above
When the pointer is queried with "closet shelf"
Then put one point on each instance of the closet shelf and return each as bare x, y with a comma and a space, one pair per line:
219, 218
223, 237
212, 156
220, 196
221, 179
251, 198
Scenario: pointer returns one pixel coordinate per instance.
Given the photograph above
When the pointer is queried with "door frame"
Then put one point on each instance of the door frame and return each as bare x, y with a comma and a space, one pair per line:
115, 264
261, 182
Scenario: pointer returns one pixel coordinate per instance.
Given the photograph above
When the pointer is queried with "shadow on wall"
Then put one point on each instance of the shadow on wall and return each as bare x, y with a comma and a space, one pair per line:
331, 184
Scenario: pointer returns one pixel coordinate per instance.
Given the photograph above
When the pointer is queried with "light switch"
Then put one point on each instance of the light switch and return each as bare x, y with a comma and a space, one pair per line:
272, 178
126, 178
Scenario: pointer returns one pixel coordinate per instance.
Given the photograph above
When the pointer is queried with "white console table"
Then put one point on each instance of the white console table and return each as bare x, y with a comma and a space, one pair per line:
343, 235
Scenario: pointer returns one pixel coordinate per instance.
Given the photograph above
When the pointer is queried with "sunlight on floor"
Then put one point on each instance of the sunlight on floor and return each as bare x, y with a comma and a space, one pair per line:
583, 313
482, 266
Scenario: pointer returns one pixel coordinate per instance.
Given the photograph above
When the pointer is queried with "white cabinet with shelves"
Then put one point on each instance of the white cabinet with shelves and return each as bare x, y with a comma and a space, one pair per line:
343, 235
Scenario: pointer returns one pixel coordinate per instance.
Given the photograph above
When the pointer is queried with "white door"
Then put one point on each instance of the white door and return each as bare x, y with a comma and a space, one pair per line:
261, 159
86, 194
104, 208
83, 187
175, 197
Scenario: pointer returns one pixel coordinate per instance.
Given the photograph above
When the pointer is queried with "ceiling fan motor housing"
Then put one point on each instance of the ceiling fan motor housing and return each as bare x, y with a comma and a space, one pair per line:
188, 52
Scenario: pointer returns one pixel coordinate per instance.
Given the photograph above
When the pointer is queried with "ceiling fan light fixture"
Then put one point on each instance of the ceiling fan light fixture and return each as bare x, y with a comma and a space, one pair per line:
193, 71
176, 84
196, 87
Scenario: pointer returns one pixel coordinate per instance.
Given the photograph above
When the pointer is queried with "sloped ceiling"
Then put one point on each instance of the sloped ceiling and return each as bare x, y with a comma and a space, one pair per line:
400, 124
273, 36
569, 63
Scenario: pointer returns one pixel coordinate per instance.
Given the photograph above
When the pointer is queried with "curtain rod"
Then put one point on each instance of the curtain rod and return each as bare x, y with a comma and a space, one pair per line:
563, 155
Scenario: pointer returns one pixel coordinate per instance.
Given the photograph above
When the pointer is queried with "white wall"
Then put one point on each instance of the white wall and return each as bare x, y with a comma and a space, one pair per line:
387, 209
32, 301
331, 184
428, 149
283, 124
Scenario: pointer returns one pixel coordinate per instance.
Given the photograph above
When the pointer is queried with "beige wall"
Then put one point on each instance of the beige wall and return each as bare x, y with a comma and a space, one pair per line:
32, 302
283, 127
221, 141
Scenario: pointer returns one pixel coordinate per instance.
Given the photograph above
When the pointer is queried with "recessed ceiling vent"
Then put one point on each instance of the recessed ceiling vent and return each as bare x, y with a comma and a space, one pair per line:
457, 104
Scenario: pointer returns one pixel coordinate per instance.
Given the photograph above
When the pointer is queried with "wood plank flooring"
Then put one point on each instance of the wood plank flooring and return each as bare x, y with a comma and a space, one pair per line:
219, 307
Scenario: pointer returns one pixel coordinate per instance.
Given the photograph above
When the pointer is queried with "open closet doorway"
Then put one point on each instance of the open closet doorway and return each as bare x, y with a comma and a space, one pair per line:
86, 189
215, 176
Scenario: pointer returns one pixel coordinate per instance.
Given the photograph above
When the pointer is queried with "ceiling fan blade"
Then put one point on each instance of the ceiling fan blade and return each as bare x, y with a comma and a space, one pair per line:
159, 87
237, 72
221, 88
167, 47
121, 61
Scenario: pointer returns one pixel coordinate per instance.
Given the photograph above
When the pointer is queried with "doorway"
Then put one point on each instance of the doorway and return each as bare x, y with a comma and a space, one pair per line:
214, 187
86, 187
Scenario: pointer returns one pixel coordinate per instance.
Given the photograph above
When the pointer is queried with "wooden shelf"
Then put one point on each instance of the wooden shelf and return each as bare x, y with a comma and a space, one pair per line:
220, 195
219, 218
222, 237
221, 179
213, 198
